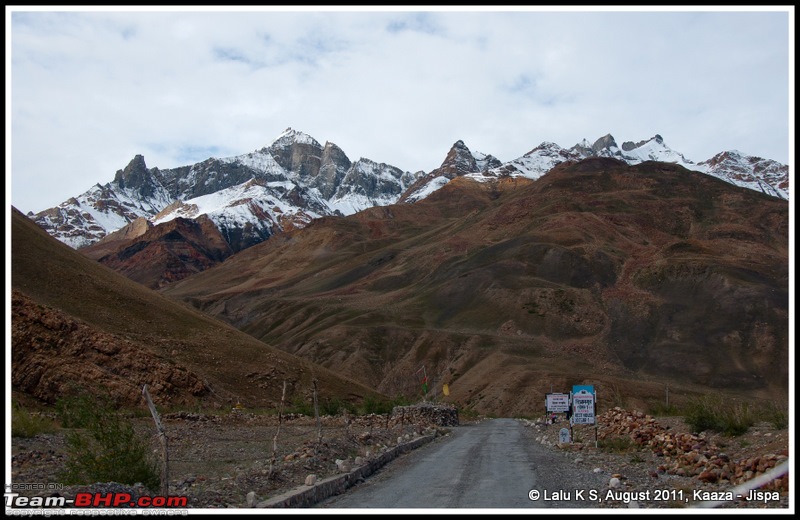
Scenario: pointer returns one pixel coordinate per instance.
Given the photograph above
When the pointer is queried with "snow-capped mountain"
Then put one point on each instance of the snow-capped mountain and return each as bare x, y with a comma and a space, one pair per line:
750, 172
296, 179
458, 162
755, 173
249, 197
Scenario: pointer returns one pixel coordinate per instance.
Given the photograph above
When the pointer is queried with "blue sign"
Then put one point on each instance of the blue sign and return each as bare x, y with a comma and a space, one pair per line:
583, 404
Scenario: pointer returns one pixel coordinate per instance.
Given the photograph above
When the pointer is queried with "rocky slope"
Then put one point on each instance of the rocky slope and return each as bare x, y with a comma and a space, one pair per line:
636, 276
79, 327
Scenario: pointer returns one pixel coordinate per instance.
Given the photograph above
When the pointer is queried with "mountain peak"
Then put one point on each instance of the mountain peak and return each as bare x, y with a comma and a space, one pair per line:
605, 142
459, 161
627, 146
134, 175
291, 136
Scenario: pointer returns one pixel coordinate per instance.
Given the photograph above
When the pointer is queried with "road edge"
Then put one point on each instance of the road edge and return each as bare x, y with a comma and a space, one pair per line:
305, 496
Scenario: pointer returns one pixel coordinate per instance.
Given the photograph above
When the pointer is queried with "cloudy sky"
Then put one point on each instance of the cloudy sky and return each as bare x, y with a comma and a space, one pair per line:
90, 89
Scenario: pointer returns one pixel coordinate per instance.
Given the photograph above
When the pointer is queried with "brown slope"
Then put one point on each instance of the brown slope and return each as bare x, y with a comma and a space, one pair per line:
79, 325
629, 277
161, 254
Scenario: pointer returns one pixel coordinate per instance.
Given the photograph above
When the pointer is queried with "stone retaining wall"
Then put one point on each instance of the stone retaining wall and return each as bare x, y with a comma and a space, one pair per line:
425, 414
305, 496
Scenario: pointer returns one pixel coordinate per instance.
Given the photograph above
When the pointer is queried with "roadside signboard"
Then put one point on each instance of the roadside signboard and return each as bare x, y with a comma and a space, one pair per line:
583, 405
557, 403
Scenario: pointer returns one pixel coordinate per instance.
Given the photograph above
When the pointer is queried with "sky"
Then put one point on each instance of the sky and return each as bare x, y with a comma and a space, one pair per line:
89, 88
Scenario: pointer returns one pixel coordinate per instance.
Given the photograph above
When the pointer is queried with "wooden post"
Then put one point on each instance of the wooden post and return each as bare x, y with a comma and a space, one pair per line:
277, 432
162, 437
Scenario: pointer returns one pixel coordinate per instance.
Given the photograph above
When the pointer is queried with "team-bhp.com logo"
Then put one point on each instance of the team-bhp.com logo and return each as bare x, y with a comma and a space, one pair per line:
84, 499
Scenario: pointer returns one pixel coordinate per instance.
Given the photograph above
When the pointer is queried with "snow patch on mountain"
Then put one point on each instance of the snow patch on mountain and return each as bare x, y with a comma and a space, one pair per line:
291, 136
259, 161
755, 173
431, 186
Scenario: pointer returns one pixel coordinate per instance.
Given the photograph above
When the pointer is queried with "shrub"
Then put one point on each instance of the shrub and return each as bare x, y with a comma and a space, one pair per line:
376, 406
300, 406
26, 424
335, 407
77, 411
106, 449
717, 414
380, 406
777, 415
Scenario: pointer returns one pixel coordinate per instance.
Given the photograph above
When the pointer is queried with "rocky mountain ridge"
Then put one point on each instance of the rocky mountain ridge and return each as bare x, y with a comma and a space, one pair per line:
295, 179
248, 197
754, 173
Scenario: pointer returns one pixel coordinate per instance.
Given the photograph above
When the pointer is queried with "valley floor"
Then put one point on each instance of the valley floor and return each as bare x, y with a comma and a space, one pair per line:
223, 461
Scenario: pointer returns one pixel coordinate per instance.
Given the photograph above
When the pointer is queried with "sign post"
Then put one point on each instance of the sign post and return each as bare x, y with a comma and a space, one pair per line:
584, 407
556, 403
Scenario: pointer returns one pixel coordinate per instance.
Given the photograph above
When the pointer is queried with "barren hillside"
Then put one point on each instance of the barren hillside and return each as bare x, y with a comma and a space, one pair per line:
632, 278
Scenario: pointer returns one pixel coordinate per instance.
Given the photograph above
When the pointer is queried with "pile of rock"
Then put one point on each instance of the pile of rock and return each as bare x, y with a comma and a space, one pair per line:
687, 454
425, 414
190, 416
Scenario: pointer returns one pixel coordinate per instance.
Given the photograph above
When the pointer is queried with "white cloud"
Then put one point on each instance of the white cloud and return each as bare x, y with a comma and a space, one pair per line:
91, 89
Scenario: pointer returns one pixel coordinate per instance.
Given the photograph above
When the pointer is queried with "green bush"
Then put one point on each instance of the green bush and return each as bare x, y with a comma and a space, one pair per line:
78, 411
24, 424
106, 449
377, 406
335, 406
300, 406
725, 415
777, 415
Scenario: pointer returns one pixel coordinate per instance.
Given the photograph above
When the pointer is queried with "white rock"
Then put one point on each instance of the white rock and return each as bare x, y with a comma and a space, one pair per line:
311, 480
251, 498
633, 504
614, 483
597, 470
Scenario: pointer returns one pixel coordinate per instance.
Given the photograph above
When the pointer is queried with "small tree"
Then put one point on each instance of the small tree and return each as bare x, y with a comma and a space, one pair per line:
107, 449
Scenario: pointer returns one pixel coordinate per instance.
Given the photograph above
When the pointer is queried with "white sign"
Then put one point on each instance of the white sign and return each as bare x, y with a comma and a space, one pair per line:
557, 403
582, 408
563, 436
